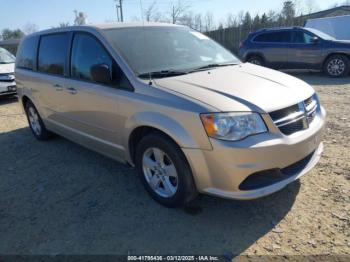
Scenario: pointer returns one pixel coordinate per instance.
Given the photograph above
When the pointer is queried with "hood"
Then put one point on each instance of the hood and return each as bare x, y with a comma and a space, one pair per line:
244, 87
7, 68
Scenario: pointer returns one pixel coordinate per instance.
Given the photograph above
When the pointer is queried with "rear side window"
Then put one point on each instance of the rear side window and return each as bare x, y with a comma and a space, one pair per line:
27, 53
52, 53
275, 37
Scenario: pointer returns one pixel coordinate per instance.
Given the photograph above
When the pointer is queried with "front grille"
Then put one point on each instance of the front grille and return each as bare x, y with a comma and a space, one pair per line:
308, 101
296, 117
272, 176
293, 127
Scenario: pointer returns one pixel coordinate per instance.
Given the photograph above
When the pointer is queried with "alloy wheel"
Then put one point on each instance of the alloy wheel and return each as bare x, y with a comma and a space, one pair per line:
160, 172
34, 121
336, 67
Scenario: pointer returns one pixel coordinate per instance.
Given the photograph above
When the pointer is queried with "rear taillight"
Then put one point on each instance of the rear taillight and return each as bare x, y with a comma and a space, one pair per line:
241, 44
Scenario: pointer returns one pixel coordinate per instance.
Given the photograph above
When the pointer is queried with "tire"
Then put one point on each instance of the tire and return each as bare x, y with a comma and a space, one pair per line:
337, 66
256, 60
169, 189
35, 122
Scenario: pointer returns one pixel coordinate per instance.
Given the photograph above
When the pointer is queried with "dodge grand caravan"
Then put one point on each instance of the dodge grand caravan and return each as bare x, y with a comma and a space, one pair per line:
173, 103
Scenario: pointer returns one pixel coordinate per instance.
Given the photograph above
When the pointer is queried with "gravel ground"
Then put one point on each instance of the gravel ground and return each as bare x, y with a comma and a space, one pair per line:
59, 198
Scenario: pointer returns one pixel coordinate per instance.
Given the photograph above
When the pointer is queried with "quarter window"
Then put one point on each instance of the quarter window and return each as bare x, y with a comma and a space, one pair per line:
52, 53
27, 53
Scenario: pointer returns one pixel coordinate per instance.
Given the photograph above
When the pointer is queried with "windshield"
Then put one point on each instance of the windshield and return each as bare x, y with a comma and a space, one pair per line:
320, 34
155, 49
6, 57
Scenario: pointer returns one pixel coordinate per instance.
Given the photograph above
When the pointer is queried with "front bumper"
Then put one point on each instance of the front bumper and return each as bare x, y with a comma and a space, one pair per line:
221, 171
8, 88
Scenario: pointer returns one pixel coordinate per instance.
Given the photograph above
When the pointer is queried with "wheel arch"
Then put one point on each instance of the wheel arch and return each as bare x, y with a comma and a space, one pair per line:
255, 53
145, 122
333, 54
141, 131
24, 100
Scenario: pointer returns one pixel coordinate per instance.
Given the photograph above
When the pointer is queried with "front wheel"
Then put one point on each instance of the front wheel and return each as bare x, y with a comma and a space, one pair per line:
337, 66
164, 171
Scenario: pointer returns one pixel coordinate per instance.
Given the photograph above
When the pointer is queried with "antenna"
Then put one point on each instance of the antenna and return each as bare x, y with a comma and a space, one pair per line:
144, 38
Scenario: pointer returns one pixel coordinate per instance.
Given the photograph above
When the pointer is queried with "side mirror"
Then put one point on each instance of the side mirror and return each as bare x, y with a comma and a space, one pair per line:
314, 40
101, 73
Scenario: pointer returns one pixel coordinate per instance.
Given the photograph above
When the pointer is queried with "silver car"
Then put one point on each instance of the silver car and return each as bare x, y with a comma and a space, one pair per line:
7, 76
173, 103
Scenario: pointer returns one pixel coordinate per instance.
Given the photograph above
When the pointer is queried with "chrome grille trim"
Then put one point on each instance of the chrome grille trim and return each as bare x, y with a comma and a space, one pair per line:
292, 120
296, 117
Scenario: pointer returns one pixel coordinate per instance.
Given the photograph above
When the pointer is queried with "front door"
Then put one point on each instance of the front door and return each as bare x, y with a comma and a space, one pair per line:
305, 52
91, 108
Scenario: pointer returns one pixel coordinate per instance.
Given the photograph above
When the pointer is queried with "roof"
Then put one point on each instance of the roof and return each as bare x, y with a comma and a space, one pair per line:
330, 17
327, 12
132, 24
278, 28
105, 27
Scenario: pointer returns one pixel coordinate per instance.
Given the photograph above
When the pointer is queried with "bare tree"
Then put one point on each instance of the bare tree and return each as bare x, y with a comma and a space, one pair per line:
178, 10
198, 22
240, 17
311, 6
152, 13
187, 19
208, 22
63, 24
30, 28
231, 20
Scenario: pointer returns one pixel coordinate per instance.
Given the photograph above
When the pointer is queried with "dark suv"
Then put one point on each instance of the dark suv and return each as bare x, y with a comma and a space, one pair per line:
297, 48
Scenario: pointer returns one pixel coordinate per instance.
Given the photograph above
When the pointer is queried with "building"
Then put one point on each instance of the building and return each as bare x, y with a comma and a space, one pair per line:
336, 11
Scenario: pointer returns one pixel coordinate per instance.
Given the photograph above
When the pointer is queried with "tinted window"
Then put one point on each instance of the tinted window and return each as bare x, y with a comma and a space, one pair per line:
27, 53
52, 53
87, 51
275, 37
302, 38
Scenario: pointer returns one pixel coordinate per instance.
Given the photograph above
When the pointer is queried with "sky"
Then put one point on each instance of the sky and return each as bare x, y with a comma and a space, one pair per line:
48, 13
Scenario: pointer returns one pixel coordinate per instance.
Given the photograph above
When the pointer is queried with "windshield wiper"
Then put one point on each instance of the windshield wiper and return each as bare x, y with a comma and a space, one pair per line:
212, 66
163, 73
166, 73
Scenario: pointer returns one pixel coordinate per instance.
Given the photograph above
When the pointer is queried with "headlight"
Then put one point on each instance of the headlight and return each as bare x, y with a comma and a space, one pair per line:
233, 126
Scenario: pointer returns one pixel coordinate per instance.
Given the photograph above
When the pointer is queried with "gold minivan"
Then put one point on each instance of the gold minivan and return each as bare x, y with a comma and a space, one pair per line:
189, 115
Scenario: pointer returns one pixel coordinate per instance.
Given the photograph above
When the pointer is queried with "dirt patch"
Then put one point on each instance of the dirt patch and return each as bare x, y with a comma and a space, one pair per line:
59, 198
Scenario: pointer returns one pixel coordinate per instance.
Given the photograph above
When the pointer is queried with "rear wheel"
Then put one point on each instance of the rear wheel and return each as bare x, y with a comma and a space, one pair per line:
164, 171
35, 122
256, 60
337, 66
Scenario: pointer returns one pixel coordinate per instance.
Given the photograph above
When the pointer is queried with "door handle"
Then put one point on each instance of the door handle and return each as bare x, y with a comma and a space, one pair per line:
58, 87
71, 90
